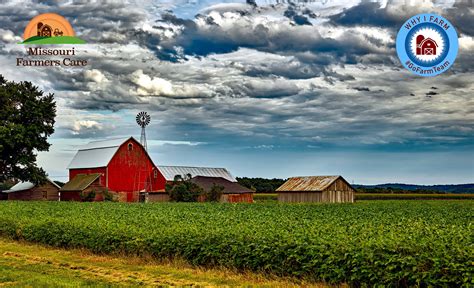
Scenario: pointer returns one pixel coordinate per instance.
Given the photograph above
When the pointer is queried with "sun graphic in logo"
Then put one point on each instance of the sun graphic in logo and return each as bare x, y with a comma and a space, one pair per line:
427, 44
50, 28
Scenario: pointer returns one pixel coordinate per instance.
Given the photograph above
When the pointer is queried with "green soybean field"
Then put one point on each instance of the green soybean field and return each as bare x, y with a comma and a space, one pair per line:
389, 243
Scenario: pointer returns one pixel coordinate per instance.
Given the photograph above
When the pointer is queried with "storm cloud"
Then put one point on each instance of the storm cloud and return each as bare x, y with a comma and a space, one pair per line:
279, 75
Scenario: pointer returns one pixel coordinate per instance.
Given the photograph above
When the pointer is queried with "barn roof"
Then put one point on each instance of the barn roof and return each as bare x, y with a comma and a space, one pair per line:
169, 172
229, 187
22, 186
80, 182
97, 153
309, 183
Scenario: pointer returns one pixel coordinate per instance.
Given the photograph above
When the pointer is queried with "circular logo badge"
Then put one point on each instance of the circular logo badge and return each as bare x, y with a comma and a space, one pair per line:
427, 44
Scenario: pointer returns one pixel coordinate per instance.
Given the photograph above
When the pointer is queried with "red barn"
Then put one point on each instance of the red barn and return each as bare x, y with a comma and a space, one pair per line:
124, 166
425, 46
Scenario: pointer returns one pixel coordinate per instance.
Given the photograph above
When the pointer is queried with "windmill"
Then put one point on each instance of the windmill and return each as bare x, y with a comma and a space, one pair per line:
143, 119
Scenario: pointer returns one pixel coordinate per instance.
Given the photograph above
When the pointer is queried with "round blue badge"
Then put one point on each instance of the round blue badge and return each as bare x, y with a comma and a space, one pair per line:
427, 44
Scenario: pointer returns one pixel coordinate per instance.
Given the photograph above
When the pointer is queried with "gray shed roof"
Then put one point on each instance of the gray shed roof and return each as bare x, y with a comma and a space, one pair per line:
96, 154
169, 172
229, 187
22, 186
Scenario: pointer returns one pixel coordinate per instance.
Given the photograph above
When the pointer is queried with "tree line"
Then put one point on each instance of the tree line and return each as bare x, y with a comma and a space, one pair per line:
261, 185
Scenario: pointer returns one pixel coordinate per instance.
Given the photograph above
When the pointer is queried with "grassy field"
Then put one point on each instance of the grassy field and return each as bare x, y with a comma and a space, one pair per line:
394, 243
265, 197
27, 265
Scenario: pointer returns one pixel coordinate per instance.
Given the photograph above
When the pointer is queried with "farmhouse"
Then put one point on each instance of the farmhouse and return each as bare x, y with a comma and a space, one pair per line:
27, 191
333, 189
123, 167
233, 192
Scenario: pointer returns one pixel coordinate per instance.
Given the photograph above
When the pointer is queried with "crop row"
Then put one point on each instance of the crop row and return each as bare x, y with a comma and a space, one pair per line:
259, 197
393, 243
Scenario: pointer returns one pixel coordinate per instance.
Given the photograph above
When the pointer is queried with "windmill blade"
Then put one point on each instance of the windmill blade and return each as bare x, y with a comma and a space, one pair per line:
143, 119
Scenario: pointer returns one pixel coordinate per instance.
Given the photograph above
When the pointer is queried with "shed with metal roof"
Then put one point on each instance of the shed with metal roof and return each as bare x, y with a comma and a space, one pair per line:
170, 172
27, 191
232, 192
83, 187
332, 189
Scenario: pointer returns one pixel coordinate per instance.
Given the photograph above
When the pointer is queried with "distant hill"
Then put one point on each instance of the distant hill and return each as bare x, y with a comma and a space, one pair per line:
398, 187
263, 185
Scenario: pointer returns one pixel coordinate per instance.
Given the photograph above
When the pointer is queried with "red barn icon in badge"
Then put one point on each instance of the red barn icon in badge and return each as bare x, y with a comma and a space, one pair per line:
425, 46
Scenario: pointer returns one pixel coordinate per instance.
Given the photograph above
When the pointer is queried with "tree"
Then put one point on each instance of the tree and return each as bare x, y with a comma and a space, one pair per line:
183, 190
261, 185
214, 195
26, 121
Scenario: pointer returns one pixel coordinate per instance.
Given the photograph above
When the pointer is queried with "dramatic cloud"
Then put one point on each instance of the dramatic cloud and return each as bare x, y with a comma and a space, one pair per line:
252, 75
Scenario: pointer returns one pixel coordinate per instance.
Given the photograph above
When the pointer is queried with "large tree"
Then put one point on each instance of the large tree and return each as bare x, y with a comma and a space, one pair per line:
26, 121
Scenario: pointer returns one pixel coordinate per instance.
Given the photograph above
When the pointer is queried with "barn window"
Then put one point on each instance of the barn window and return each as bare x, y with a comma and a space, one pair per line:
155, 173
130, 146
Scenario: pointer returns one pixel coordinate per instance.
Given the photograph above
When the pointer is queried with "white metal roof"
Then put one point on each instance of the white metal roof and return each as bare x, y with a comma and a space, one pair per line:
96, 154
21, 186
116, 142
169, 172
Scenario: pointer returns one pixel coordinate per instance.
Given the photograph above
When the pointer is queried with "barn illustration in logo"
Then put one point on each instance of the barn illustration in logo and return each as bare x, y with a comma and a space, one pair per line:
425, 46
50, 28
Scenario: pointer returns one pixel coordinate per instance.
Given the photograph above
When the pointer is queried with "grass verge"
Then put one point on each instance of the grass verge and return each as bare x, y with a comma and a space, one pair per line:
24, 264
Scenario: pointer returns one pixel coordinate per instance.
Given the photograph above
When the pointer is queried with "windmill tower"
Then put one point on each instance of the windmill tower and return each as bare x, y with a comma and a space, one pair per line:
143, 119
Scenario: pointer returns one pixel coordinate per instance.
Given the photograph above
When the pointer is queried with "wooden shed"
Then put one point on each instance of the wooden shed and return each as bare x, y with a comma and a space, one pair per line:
27, 191
82, 185
233, 192
330, 189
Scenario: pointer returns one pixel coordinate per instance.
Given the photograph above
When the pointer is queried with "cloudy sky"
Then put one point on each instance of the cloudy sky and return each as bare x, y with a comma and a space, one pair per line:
263, 88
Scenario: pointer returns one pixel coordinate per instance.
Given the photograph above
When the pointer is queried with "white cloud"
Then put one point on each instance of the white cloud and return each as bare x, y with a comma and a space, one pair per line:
466, 44
151, 86
80, 125
95, 75
8, 36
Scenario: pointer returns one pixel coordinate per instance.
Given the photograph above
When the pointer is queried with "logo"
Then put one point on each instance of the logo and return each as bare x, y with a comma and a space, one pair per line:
50, 28
427, 44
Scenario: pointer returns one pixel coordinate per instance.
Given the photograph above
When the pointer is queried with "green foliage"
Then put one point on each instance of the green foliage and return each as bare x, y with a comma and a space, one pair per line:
5, 186
108, 197
26, 121
214, 195
366, 244
267, 197
88, 197
183, 190
261, 185
387, 190
411, 196
411, 188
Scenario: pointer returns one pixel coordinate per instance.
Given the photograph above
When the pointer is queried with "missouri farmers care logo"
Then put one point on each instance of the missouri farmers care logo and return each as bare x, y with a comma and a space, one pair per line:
427, 44
50, 29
